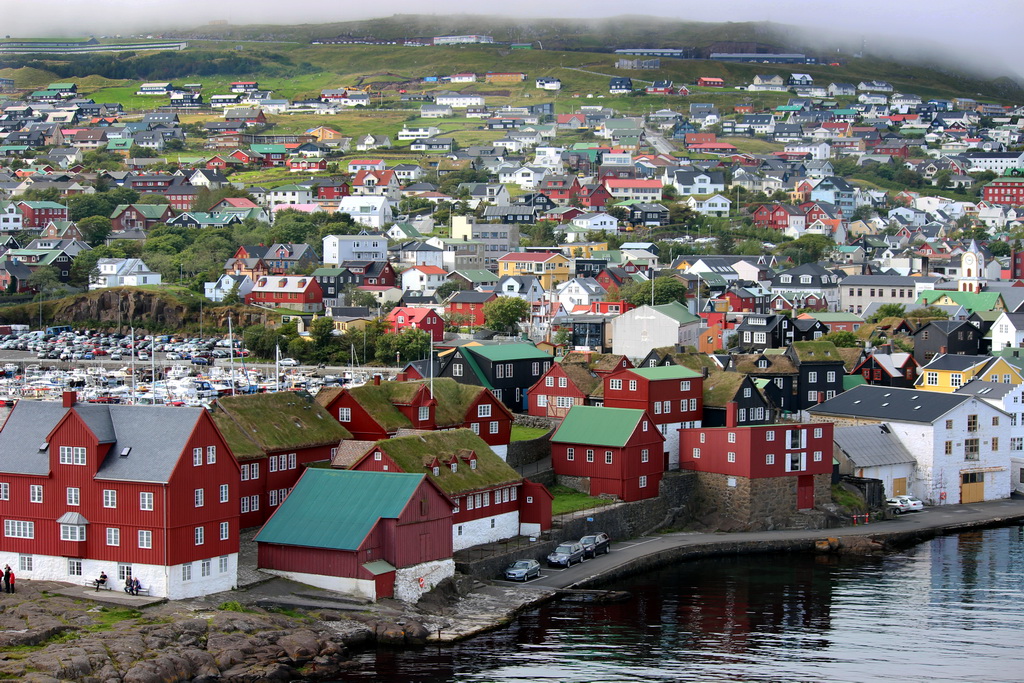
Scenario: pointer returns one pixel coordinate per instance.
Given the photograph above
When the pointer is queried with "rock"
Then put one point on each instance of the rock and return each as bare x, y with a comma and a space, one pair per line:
300, 644
822, 546
196, 626
390, 634
415, 633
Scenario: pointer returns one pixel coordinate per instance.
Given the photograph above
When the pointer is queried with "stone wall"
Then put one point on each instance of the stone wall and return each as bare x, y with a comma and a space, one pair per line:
522, 453
620, 521
407, 580
535, 421
581, 484
740, 503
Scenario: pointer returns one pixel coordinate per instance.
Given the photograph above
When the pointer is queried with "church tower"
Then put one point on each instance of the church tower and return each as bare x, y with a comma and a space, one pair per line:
972, 269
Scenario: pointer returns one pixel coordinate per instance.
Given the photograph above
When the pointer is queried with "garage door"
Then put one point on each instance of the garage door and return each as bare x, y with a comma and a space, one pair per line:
972, 487
899, 486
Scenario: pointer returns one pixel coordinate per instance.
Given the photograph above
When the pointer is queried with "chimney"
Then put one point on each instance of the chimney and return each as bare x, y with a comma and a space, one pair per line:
376, 380
943, 349
731, 410
401, 377
69, 399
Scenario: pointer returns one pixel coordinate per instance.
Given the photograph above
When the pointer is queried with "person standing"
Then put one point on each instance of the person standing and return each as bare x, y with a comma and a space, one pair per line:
11, 573
7, 578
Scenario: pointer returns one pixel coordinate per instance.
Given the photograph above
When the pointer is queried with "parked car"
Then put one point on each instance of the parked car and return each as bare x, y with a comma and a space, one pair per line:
522, 570
566, 555
901, 504
288, 362
596, 544
199, 360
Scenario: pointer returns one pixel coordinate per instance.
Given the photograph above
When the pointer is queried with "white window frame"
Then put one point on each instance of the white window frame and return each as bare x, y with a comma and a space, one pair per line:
145, 539
197, 456
109, 498
199, 498
483, 410
74, 496
113, 536
35, 493
211, 455
344, 414
146, 500
200, 535
225, 492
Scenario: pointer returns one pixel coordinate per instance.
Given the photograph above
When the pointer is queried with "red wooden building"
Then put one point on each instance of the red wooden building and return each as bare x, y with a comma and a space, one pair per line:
137, 491
297, 293
673, 397
378, 410
468, 307
35, 215
403, 318
273, 437
485, 490
616, 451
783, 467
373, 534
777, 216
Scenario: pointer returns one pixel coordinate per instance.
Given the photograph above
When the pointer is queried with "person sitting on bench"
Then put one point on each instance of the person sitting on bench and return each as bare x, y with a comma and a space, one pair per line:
102, 581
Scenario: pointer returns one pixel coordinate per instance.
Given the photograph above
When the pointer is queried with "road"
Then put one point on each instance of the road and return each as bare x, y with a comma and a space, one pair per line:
658, 142
624, 553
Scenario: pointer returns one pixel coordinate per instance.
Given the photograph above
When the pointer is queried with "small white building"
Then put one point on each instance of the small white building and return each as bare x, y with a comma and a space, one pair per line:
341, 248
874, 452
580, 291
636, 332
373, 212
122, 272
225, 284
424, 279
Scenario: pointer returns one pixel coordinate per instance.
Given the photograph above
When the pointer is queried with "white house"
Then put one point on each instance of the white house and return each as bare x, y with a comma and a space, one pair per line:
636, 332
715, 205
596, 221
579, 291
457, 100
222, 286
10, 217
416, 132
874, 452
522, 286
373, 212
819, 151
526, 177
1008, 331
341, 248
122, 272
288, 194
424, 279
958, 441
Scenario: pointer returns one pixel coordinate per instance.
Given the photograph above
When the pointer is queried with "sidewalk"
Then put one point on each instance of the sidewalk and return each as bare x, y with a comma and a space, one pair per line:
635, 554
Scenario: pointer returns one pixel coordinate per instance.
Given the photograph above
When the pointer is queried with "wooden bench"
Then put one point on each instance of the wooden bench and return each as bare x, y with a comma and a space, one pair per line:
91, 583
140, 591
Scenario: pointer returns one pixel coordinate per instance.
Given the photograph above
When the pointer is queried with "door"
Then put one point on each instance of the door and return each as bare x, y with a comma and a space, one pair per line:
384, 585
899, 486
972, 487
805, 492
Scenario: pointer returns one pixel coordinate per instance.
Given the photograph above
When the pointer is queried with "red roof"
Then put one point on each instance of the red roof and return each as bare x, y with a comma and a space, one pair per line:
413, 314
631, 182
430, 270
239, 202
711, 145
365, 161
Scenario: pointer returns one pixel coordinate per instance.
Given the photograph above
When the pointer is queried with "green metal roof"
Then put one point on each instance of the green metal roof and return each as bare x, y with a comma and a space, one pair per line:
676, 311
337, 509
972, 301
598, 426
506, 352
851, 381
477, 275
666, 372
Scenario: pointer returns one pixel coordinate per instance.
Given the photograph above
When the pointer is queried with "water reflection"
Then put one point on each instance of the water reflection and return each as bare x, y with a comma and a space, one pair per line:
947, 610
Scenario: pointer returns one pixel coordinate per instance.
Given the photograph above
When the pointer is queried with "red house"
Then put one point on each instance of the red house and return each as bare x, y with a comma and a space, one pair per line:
377, 411
710, 82
136, 491
560, 188
593, 196
306, 164
426, 319
563, 386
297, 293
35, 215
673, 397
614, 451
468, 307
762, 470
274, 436
395, 541
139, 216
485, 489
776, 216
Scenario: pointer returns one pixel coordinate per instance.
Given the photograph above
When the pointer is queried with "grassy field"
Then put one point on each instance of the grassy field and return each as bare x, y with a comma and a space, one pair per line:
520, 433
568, 500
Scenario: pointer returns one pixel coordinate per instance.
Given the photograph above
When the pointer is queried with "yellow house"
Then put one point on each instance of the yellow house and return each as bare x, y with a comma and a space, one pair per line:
948, 372
322, 133
550, 268
583, 249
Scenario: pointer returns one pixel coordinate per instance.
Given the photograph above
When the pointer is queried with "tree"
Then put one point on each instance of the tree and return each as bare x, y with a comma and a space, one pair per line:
504, 313
45, 280
807, 249
999, 248
95, 229
666, 290
887, 311
842, 339
927, 312
153, 199
232, 297
724, 243
401, 347
323, 341
449, 287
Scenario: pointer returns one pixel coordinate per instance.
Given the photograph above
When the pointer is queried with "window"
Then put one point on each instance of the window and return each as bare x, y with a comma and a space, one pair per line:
14, 528
693, 404
204, 567
542, 400
25, 563
769, 435
35, 493
812, 377
483, 410
972, 423
948, 448
222, 564
549, 381
684, 386
657, 407
145, 500
186, 572
74, 567
632, 385
615, 384
245, 504
995, 421
949, 424
254, 470
830, 377
200, 498
272, 464
424, 413
254, 503
696, 453
113, 536
224, 493
145, 539
475, 426
607, 457
645, 455
817, 432
931, 379
590, 455
344, 414
796, 462
769, 459
225, 530
72, 532
5, 491
644, 423
200, 535
995, 443
197, 457
245, 472
494, 427
457, 370
642, 483
1017, 444
563, 401
109, 498
731, 457
956, 379
817, 456
72, 455
74, 496
971, 449
570, 453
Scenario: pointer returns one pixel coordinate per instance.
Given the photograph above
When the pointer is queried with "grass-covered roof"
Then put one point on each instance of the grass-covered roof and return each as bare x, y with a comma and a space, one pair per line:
275, 422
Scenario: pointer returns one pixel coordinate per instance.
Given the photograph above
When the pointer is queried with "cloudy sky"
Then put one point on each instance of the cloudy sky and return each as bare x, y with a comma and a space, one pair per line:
981, 33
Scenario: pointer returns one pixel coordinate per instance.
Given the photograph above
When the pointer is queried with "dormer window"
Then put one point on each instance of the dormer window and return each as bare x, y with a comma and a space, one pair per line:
437, 471
472, 464
455, 466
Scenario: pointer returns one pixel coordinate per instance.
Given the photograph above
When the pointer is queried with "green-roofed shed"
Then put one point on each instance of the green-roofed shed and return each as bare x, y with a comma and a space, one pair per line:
372, 534
598, 426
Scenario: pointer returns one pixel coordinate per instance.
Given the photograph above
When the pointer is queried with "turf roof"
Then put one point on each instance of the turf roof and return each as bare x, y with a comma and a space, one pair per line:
415, 453
276, 422
720, 387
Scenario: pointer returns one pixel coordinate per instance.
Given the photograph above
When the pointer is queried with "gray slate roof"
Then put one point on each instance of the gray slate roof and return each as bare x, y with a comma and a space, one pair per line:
871, 446
890, 404
156, 436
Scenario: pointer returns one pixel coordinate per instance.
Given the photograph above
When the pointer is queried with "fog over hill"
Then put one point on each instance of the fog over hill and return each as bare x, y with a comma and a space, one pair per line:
978, 37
